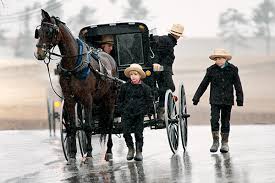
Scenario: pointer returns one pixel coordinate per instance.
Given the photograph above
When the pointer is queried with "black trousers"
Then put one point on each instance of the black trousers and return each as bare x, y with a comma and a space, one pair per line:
165, 82
133, 124
223, 112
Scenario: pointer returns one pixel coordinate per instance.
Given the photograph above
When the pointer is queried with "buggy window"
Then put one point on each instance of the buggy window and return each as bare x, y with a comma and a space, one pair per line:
130, 49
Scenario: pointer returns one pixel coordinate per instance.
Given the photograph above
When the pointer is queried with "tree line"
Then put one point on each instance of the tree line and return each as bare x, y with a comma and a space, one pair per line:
235, 27
24, 44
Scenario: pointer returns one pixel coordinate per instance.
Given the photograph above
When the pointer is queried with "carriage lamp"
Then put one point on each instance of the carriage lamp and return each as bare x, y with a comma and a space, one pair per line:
175, 98
141, 28
148, 73
57, 104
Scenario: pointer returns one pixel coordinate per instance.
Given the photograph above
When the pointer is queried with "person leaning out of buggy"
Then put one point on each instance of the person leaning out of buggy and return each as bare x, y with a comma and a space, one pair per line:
134, 99
223, 76
164, 62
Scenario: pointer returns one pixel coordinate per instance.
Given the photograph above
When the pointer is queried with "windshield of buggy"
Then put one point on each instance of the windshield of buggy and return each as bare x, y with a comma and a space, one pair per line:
130, 49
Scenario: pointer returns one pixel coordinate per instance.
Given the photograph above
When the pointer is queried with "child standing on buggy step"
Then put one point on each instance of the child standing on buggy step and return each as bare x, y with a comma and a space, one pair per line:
134, 101
223, 76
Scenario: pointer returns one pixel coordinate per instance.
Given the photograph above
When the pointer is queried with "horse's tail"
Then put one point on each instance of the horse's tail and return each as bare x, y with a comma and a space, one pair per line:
103, 138
105, 125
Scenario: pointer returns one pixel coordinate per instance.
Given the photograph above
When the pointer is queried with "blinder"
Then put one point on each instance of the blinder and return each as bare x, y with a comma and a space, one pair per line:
51, 32
36, 34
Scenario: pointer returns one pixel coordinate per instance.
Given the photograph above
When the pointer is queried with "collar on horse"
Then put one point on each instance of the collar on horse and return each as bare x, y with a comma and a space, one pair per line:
80, 63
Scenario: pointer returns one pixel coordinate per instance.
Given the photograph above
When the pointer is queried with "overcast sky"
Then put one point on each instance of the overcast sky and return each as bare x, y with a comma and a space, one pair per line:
199, 17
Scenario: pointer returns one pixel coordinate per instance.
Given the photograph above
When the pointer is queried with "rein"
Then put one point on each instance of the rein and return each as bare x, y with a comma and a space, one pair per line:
50, 78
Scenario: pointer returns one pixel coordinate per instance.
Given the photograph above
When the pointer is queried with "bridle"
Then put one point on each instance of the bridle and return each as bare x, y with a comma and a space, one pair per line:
52, 35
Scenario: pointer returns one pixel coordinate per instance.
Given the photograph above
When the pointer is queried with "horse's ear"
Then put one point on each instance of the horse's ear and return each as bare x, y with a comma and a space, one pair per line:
45, 14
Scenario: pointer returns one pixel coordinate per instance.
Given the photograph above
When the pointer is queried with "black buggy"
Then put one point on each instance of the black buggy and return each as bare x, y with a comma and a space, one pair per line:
133, 44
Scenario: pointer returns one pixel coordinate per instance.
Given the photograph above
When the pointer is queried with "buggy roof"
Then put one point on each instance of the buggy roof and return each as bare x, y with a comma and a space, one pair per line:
113, 28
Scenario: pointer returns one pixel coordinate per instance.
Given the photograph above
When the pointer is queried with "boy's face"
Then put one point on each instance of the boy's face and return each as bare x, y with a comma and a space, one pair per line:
220, 61
135, 77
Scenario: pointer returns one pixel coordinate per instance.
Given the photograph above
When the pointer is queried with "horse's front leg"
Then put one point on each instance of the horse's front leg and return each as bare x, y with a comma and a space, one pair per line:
71, 128
88, 126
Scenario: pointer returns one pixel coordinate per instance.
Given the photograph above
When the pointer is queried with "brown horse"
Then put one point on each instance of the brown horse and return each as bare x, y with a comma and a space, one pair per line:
79, 81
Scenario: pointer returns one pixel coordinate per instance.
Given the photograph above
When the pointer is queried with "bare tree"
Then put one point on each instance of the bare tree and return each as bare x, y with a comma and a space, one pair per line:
37, 18
85, 17
264, 17
54, 8
135, 10
2, 31
2, 36
113, 1
233, 28
24, 42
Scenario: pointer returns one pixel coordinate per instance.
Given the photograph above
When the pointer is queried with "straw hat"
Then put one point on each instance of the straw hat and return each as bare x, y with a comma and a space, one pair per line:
219, 52
177, 30
134, 67
107, 39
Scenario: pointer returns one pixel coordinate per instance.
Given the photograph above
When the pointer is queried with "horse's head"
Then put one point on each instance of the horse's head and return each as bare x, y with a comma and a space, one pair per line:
48, 35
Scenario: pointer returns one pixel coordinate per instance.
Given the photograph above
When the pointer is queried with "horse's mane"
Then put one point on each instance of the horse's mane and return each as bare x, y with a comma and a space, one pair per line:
58, 21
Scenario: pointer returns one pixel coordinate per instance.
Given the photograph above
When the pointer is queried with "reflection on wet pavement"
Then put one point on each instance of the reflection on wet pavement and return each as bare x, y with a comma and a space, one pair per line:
32, 156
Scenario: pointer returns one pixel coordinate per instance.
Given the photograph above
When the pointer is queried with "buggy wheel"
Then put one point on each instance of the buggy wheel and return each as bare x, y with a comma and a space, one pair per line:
63, 130
171, 121
183, 116
81, 135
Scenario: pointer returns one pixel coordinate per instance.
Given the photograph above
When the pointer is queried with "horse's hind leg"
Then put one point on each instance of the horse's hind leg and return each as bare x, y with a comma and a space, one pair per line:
109, 154
106, 129
109, 112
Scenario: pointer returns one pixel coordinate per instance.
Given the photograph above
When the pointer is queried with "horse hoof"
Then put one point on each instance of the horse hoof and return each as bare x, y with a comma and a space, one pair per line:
71, 161
88, 160
108, 156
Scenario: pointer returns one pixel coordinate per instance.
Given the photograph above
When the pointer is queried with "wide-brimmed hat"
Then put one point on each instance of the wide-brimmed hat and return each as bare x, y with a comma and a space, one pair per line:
134, 67
219, 52
107, 39
177, 29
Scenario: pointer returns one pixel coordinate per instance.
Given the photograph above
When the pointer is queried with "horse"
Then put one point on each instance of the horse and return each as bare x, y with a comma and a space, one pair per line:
79, 81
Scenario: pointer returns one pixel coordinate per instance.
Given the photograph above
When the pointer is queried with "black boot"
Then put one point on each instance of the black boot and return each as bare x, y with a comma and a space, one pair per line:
216, 143
224, 147
139, 156
130, 145
160, 113
131, 152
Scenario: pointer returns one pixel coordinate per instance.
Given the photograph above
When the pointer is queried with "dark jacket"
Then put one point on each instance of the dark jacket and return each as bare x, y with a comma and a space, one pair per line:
165, 51
134, 99
222, 81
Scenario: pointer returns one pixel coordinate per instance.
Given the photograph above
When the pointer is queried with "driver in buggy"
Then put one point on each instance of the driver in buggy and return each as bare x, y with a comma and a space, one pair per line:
165, 52
107, 43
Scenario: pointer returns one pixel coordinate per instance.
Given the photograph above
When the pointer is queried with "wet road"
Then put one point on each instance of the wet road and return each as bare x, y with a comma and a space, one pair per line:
32, 156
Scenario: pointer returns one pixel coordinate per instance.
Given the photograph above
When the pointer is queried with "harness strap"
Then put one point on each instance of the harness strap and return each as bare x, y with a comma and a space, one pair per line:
80, 63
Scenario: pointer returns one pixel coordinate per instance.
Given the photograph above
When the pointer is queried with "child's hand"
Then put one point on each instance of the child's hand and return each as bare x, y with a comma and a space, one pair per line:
239, 103
195, 102
156, 67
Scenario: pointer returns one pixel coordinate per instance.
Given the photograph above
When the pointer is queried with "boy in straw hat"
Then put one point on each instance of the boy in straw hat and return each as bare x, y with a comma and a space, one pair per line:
165, 57
223, 76
134, 100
